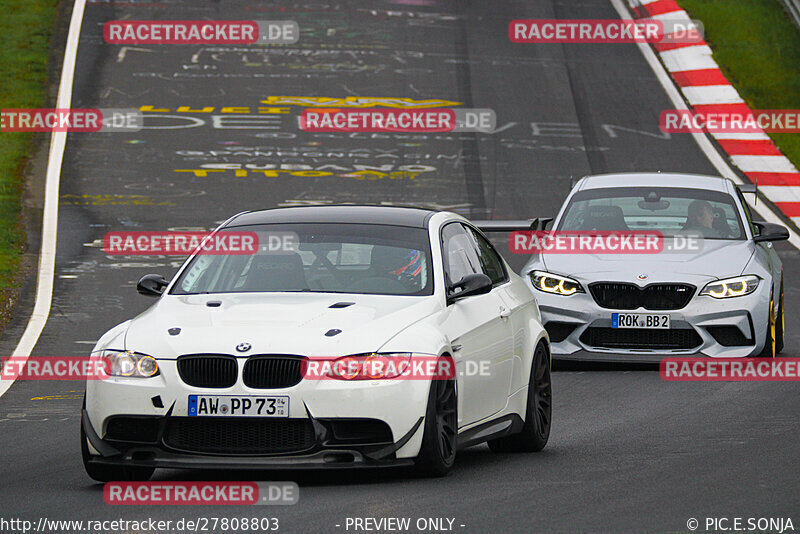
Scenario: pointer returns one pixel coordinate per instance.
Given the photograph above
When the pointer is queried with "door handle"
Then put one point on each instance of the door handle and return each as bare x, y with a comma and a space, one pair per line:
504, 312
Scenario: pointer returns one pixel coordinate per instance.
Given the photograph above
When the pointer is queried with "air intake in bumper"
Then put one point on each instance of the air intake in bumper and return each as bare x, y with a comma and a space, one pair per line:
629, 338
246, 436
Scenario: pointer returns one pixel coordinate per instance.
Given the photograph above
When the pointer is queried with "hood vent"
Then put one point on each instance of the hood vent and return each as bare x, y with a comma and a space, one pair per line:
340, 305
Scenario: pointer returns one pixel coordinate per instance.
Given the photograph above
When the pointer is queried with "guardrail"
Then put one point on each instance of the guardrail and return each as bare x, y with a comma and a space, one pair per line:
792, 7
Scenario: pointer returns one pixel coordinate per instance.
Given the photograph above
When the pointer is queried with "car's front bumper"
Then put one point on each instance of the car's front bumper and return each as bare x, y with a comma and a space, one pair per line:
745, 316
326, 450
397, 405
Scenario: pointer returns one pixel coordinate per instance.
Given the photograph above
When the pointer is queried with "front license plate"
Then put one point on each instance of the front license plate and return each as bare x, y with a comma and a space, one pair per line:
230, 405
639, 320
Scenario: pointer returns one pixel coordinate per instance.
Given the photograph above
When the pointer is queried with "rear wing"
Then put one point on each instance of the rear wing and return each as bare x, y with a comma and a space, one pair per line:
750, 188
530, 225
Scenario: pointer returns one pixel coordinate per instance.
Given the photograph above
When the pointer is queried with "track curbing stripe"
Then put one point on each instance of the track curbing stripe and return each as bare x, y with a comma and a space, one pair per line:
694, 70
702, 139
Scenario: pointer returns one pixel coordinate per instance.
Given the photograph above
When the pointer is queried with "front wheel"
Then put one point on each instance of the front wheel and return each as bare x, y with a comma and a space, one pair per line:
439, 440
538, 415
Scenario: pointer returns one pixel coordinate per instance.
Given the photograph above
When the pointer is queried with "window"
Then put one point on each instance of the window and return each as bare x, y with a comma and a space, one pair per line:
459, 254
491, 262
669, 210
329, 258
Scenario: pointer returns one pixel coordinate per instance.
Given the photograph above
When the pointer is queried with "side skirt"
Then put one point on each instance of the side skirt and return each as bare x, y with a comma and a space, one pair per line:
496, 428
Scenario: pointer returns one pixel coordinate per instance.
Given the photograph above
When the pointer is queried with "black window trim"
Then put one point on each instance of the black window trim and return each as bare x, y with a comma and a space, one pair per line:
746, 210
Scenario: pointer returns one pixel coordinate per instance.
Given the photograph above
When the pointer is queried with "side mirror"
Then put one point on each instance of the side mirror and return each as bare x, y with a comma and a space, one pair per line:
770, 232
545, 222
151, 285
471, 284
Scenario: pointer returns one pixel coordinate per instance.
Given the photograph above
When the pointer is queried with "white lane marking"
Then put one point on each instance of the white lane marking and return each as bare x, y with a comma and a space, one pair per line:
695, 57
754, 136
47, 255
711, 153
763, 163
699, 95
124, 52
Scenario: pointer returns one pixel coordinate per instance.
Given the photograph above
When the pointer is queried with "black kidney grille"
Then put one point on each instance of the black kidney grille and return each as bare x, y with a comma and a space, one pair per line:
623, 296
667, 296
215, 435
208, 370
616, 296
272, 371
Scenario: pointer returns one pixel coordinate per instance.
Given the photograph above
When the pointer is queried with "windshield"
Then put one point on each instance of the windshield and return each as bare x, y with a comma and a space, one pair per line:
671, 211
322, 258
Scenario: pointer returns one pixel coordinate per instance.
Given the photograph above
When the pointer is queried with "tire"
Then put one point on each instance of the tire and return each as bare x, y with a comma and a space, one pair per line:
439, 440
780, 325
769, 349
111, 473
538, 414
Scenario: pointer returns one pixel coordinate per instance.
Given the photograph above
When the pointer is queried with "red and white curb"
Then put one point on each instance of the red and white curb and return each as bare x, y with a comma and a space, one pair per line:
707, 90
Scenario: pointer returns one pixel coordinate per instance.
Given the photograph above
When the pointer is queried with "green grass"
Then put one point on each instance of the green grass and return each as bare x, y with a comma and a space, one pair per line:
26, 26
758, 48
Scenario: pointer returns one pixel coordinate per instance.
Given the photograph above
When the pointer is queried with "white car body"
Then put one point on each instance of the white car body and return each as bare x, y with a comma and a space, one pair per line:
496, 332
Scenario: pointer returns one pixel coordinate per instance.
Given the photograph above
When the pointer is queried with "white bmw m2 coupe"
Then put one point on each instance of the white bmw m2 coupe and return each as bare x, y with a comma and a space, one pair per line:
307, 356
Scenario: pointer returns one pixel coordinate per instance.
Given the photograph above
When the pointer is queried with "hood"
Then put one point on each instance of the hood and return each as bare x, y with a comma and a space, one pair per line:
716, 259
273, 323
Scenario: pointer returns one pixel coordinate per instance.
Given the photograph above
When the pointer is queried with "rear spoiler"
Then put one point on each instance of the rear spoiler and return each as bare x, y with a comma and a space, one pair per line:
529, 225
748, 188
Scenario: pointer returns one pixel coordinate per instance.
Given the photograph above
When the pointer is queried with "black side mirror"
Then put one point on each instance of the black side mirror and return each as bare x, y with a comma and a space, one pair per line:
545, 222
770, 232
471, 284
151, 285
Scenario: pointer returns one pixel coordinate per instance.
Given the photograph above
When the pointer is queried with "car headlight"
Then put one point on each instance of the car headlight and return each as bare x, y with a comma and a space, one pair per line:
372, 366
555, 284
128, 363
731, 287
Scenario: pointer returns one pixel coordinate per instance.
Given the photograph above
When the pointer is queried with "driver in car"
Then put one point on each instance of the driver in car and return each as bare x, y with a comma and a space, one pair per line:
393, 269
700, 219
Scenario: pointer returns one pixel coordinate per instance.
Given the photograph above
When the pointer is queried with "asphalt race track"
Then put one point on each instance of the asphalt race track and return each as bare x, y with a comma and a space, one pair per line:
628, 452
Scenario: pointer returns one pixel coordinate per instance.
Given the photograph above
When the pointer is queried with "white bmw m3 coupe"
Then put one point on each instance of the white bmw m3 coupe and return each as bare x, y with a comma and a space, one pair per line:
307, 356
